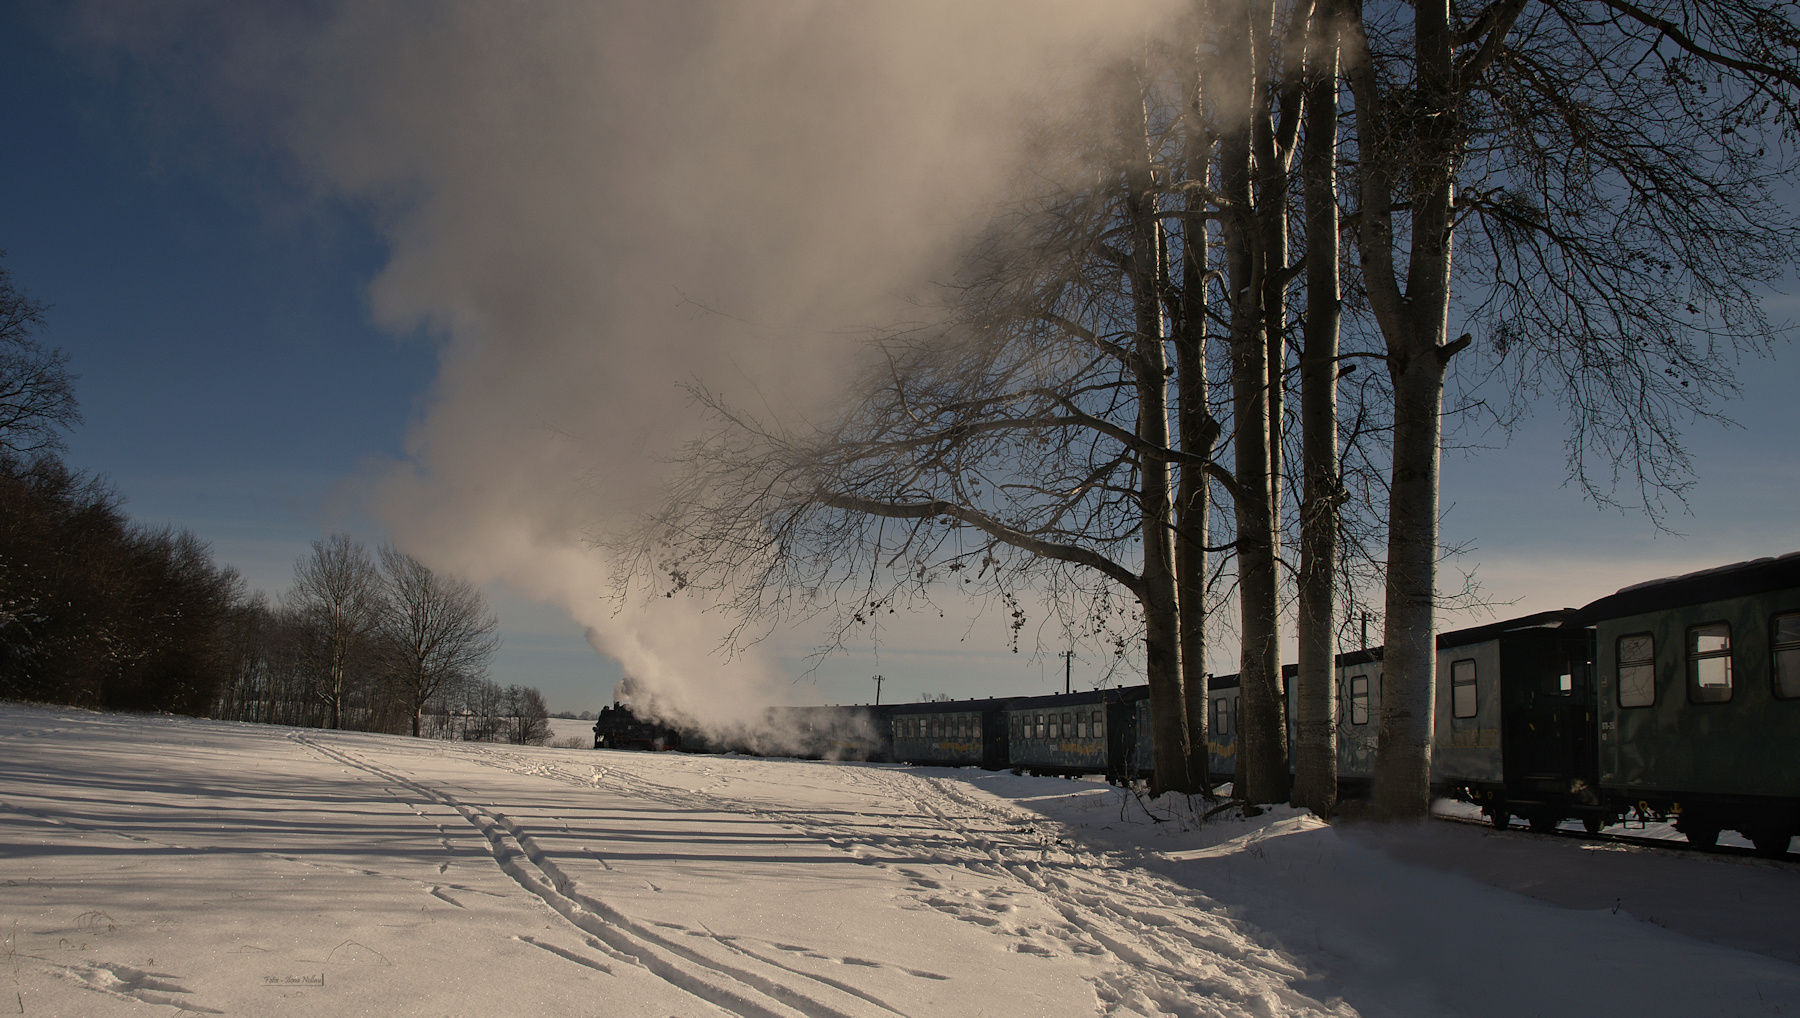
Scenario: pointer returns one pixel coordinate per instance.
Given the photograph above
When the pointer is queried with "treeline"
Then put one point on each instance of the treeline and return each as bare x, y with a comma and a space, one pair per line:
97, 611
375, 643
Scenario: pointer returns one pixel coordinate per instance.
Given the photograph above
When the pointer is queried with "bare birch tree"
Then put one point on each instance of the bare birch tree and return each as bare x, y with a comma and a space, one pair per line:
336, 597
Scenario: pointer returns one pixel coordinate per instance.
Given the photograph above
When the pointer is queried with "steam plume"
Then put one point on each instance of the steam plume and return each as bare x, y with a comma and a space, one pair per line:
565, 186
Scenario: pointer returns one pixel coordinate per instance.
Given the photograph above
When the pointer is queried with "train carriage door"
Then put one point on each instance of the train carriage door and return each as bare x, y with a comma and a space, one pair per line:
1547, 704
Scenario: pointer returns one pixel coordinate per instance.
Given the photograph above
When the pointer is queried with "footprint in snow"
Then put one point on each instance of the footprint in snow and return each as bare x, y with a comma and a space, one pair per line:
119, 980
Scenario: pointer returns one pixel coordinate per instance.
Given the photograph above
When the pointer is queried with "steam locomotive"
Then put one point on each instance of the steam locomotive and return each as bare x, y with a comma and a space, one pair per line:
1676, 699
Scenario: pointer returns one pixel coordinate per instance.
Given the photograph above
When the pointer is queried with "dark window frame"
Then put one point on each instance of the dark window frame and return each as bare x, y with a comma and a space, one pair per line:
1775, 649
1692, 660
1620, 664
1363, 697
1474, 684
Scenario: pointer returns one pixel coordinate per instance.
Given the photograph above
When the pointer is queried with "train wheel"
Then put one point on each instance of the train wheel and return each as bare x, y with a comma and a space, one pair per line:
1702, 837
1593, 824
1769, 842
1543, 823
1499, 817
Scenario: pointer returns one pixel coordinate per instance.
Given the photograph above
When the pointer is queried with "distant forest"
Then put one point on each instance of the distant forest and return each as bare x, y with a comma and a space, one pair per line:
98, 611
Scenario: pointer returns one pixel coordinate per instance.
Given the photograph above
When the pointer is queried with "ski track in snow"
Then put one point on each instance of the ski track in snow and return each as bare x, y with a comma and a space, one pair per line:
1163, 948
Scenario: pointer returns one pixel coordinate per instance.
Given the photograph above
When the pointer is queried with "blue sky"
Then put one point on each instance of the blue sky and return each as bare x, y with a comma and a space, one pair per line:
215, 312
263, 331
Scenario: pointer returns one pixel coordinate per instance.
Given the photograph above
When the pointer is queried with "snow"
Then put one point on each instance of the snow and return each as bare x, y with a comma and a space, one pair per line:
151, 865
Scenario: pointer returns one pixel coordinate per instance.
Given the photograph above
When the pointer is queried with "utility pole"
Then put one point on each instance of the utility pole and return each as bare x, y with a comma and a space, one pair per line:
878, 680
1068, 666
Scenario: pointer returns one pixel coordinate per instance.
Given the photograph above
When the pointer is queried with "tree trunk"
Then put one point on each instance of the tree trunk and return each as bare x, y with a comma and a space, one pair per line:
1198, 431
1408, 669
1162, 630
1162, 664
1414, 324
1192, 503
1261, 734
337, 691
1315, 729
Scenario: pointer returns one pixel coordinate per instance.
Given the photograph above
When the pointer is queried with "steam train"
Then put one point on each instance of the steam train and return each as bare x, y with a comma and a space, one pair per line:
1676, 699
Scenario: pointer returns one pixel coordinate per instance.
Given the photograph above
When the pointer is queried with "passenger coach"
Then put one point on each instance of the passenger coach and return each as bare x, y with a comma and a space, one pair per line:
1699, 700
1075, 733
954, 733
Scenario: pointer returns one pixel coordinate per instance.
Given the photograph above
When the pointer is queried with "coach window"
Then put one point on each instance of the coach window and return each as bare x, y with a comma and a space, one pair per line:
1709, 663
1221, 717
1637, 670
1068, 726
1040, 726
1462, 689
1081, 726
1786, 654
1097, 727
1359, 699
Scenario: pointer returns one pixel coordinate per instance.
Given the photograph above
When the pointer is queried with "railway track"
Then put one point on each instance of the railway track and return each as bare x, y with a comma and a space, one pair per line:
1787, 860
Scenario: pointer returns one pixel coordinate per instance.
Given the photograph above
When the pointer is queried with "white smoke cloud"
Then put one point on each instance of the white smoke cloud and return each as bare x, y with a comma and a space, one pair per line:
564, 188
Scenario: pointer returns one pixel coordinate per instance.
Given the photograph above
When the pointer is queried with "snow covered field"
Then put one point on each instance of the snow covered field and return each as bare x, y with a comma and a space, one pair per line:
155, 865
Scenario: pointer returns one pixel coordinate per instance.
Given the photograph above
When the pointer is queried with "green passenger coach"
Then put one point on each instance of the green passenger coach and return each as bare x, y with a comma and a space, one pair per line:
1699, 700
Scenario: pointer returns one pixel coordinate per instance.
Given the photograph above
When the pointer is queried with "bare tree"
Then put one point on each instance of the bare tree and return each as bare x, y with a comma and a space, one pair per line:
336, 596
1315, 723
1022, 439
1615, 160
434, 629
524, 707
37, 393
